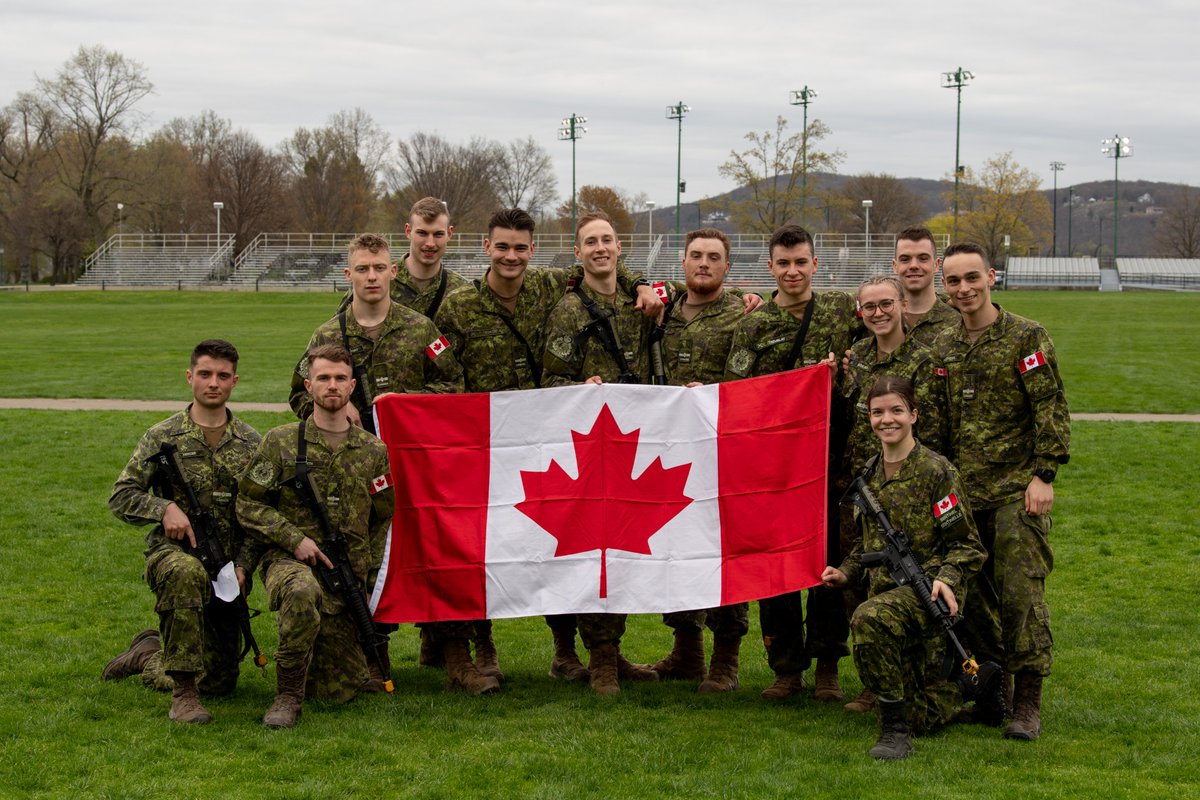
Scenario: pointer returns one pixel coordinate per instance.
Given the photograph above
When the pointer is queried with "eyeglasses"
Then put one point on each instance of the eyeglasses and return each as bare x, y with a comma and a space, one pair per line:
883, 305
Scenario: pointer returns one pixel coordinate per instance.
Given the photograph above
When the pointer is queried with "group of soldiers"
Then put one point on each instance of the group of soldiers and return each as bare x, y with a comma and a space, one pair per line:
985, 382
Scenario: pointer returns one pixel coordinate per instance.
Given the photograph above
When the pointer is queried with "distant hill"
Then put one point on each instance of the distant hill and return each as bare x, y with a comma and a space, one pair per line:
1090, 222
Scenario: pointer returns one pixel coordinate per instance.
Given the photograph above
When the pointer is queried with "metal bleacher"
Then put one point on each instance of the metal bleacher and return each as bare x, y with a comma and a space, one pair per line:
1159, 273
163, 259
1052, 273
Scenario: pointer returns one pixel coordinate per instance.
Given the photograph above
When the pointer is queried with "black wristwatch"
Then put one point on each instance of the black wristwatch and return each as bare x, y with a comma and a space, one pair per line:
1047, 475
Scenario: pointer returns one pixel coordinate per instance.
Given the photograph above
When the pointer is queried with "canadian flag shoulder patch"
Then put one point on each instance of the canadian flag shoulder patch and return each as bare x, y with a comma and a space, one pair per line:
384, 481
940, 372
660, 290
438, 346
944, 505
1033, 361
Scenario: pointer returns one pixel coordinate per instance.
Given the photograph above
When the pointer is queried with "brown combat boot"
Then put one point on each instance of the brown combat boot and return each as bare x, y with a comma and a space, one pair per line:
863, 704
786, 684
894, 741
133, 660
602, 669
629, 671
461, 672
185, 701
723, 671
430, 654
827, 686
566, 664
487, 660
685, 662
1027, 708
289, 697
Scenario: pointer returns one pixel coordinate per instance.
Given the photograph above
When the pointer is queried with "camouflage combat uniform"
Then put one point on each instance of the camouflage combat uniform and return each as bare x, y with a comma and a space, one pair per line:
898, 649
569, 360
696, 351
406, 293
912, 360
198, 634
1004, 425
940, 316
400, 361
313, 624
761, 345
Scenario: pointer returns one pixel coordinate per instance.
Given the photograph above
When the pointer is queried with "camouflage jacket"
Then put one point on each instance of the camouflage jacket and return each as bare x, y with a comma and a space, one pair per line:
947, 545
406, 293
941, 316
764, 337
492, 357
141, 494
697, 350
1008, 410
572, 356
400, 361
277, 519
912, 360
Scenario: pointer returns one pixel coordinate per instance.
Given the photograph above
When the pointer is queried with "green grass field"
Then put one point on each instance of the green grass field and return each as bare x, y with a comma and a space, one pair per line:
1120, 712
1111, 346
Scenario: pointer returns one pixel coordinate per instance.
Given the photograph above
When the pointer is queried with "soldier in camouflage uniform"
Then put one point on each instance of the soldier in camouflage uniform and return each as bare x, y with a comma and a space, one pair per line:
898, 648
575, 356
200, 637
319, 654
889, 350
765, 343
424, 282
916, 263
395, 348
1010, 431
497, 328
696, 334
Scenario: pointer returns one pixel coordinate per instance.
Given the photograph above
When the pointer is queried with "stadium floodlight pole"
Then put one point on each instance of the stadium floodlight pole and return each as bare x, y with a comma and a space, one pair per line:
1070, 218
677, 112
1055, 167
802, 97
1116, 148
866, 204
957, 80
571, 130
218, 205
650, 219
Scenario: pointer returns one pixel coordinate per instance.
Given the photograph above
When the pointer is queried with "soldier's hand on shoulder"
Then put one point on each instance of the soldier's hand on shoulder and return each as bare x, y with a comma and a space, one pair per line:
177, 526
751, 301
648, 302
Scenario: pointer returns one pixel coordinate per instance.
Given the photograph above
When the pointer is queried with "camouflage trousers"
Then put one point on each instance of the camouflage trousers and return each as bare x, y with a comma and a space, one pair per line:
314, 629
1008, 620
729, 622
901, 654
596, 629
199, 634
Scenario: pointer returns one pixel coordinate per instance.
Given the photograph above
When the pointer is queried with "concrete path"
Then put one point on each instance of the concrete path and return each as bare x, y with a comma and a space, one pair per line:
70, 404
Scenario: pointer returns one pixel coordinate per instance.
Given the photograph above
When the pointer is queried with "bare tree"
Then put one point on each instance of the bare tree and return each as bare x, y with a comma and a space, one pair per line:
526, 179
1178, 233
336, 170
893, 205
252, 182
464, 176
599, 198
95, 94
773, 172
28, 181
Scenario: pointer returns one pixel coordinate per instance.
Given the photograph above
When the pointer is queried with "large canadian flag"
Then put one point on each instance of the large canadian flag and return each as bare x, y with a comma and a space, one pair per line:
611, 498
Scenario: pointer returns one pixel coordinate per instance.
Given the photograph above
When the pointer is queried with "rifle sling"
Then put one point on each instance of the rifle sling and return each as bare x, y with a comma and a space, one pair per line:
436, 303
798, 345
609, 342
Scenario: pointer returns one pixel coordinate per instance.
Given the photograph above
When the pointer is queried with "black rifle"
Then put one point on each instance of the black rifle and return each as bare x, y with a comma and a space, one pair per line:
359, 396
340, 578
658, 370
601, 327
208, 548
904, 568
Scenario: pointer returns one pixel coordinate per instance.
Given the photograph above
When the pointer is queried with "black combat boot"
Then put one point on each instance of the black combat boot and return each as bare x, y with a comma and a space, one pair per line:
894, 742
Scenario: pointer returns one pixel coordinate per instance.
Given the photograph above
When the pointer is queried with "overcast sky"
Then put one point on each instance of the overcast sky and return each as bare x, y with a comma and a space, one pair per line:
1052, 78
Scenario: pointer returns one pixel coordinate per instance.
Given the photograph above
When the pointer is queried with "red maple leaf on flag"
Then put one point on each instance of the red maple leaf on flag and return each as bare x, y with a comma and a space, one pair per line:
605, 508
